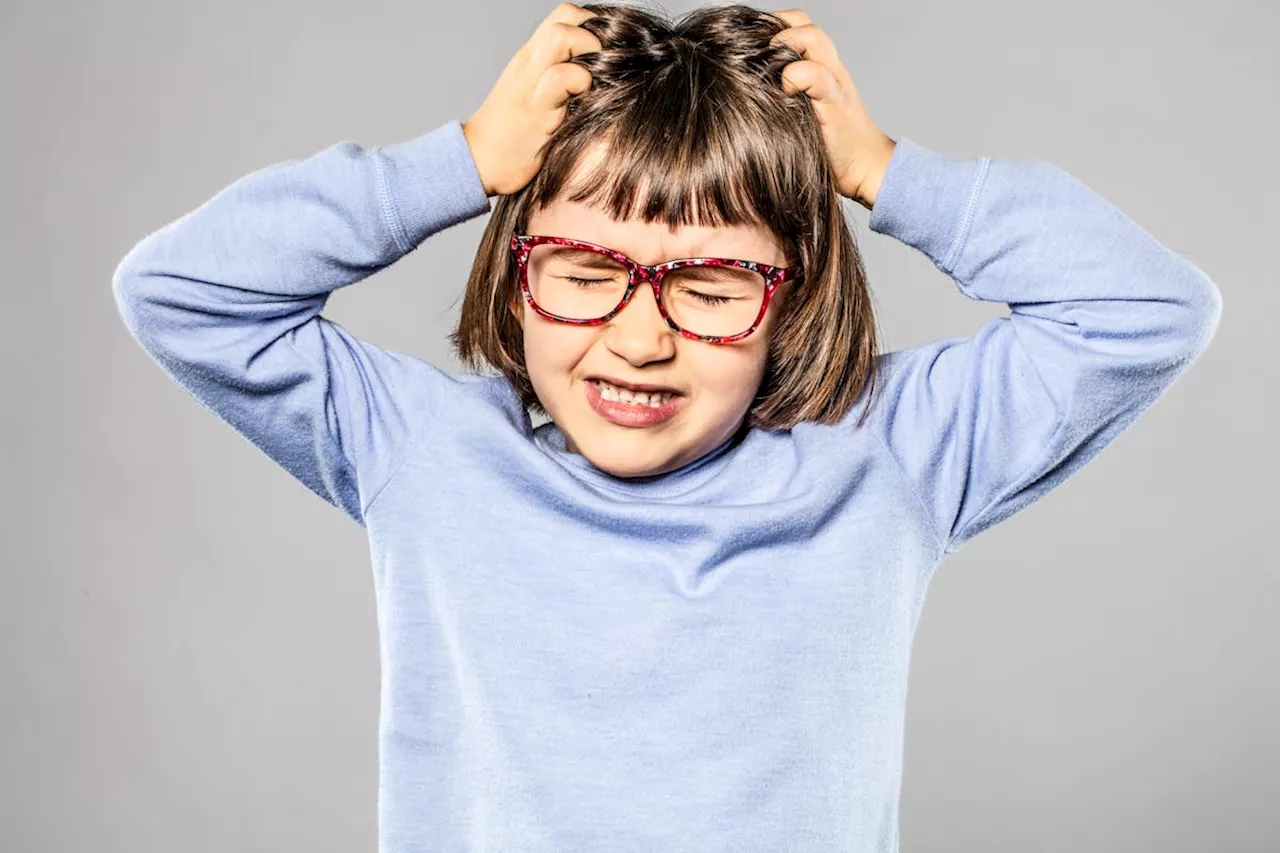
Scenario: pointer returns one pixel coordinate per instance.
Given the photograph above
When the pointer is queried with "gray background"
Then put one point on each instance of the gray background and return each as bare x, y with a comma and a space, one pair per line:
188, 647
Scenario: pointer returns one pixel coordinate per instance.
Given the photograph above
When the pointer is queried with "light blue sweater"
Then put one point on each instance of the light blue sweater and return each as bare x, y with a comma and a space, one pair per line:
711, 660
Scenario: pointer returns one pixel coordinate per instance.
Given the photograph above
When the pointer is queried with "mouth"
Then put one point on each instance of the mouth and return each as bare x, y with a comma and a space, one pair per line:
625, 408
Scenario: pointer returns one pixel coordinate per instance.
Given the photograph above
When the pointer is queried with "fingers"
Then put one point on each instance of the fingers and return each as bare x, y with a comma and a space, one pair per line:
810, 42
793, 17
820, 73
566, 13
812, 78
568, 40
558, 39
558, 83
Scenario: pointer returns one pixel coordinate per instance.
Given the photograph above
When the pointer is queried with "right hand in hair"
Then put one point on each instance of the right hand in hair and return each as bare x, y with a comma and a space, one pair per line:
527, 103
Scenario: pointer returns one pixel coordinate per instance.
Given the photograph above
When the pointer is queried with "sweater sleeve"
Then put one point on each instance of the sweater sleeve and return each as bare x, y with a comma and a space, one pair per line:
227, 300
1102, 320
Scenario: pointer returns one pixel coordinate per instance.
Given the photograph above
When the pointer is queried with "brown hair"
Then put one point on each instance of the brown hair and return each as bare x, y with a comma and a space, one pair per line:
697, 107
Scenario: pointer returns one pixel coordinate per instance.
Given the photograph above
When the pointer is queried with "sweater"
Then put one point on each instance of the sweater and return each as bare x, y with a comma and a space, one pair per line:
712, 659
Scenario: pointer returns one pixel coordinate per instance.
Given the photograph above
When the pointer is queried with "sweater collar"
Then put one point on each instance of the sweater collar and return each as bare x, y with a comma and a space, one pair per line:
552, 440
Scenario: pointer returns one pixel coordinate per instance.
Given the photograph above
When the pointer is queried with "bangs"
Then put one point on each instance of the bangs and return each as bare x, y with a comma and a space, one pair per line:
677, 153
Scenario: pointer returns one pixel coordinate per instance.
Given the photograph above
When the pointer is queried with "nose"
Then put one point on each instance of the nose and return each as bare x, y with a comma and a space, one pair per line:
639, 333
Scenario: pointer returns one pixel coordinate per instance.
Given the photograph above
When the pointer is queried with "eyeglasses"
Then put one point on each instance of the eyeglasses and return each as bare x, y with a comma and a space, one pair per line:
716, 300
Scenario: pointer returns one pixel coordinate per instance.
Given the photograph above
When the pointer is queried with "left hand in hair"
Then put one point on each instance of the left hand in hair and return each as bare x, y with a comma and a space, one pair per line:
857, 149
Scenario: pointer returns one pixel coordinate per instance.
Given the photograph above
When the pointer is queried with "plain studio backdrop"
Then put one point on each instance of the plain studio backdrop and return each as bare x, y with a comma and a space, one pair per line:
188, 645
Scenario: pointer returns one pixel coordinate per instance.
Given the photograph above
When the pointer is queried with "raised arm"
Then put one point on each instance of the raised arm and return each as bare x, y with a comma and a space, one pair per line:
1103, 319
227, 300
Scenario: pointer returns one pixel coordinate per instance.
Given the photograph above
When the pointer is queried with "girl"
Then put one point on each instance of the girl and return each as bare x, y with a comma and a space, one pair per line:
677, 615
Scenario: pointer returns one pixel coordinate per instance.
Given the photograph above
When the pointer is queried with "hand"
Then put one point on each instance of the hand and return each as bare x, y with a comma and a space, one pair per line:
527, 103
857, 149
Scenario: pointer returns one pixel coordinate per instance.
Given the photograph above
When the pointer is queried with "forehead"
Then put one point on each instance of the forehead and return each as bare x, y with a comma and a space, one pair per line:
646, 242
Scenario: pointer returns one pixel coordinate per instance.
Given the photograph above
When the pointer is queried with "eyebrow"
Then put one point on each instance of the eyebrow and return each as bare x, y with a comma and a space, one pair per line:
594, 260
586, 257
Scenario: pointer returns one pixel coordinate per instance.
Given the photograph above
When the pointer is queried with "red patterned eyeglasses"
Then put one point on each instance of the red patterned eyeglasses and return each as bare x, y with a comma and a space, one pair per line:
584, 284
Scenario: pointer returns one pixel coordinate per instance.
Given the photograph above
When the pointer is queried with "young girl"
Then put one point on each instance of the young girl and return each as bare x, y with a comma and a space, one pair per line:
678, 615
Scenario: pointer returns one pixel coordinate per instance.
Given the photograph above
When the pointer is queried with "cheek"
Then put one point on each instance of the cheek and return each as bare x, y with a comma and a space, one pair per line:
552, 349
730, 374
724, 378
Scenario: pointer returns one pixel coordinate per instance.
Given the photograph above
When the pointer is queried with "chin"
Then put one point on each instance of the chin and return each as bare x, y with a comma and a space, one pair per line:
631, 468
619, 463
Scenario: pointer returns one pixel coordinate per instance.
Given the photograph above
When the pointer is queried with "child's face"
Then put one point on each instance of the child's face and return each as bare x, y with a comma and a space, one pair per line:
717, 381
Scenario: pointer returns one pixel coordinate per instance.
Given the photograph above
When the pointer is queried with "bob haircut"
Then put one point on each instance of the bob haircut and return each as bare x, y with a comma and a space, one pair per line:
697, 107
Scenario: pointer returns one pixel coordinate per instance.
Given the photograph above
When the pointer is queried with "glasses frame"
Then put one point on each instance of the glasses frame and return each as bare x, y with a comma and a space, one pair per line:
522, 245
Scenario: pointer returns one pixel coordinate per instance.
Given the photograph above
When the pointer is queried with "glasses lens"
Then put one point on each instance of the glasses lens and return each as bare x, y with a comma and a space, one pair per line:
579, 284
713, 300
583, 284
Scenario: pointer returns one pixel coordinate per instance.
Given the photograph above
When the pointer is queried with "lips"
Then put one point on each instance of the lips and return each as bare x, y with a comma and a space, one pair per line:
633, 386
629, 414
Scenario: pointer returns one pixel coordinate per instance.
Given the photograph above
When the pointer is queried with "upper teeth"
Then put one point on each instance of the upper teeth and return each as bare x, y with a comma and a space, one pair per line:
636, 398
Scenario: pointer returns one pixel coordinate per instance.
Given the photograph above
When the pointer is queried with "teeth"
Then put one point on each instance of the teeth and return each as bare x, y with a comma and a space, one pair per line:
622, 395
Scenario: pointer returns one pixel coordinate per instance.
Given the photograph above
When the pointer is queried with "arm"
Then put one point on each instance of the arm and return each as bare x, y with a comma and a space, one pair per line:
1103, 320
227, 300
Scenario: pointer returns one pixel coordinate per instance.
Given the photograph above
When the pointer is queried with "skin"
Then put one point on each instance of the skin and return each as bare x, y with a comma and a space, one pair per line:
718, 381
505, 137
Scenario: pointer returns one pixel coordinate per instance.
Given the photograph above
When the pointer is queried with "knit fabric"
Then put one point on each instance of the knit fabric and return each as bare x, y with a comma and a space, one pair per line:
714, 659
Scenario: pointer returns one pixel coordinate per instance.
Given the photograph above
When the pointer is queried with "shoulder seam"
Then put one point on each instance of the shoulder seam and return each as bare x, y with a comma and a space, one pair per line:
410, 446
966, 220
906, 481
415, 430
390, 215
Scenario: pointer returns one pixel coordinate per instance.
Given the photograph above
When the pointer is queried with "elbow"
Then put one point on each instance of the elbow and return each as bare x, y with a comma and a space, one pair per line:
129, 284
127, 274
1204, 314
122, 281
139, 267
124, 287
